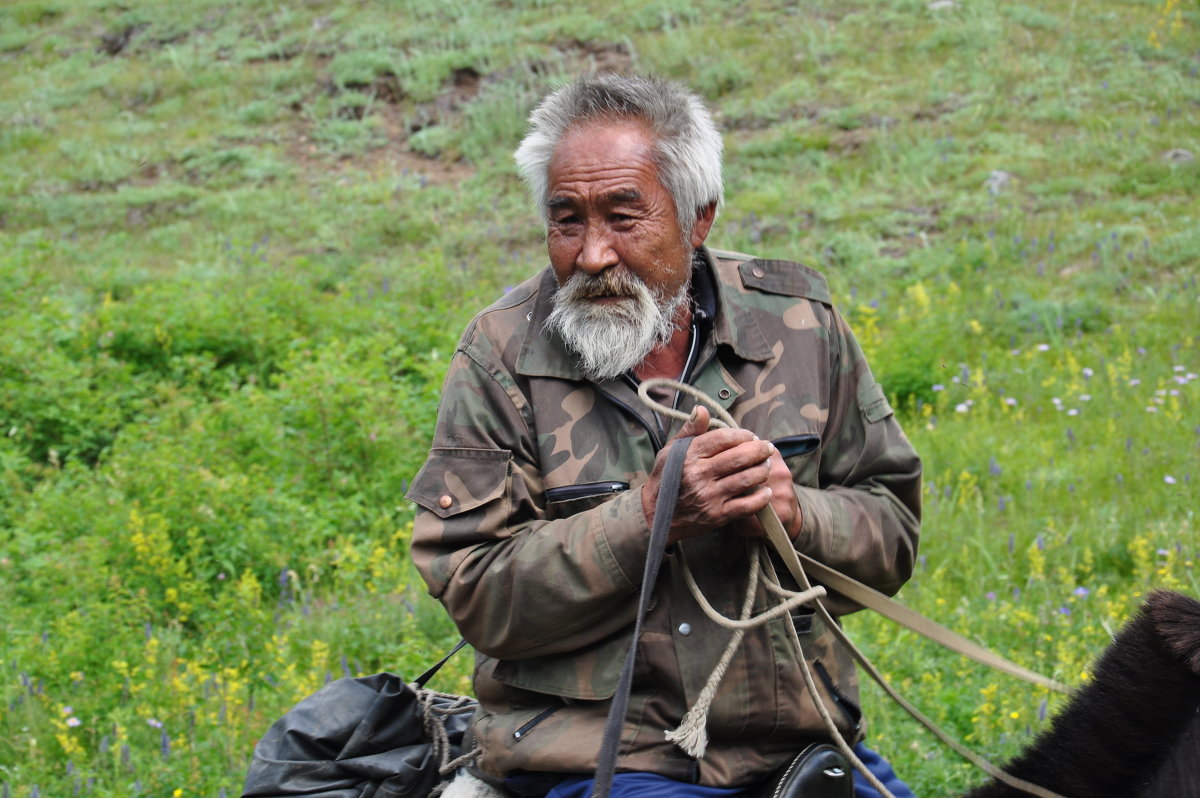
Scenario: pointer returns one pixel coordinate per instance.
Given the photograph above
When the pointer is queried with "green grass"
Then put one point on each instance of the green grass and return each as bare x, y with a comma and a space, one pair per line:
238, 242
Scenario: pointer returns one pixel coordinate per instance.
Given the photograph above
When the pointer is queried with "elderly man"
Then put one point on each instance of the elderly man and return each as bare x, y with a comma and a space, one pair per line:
537, 498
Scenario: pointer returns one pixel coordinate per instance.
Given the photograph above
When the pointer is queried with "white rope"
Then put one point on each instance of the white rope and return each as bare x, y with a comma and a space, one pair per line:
434, 719
694, 720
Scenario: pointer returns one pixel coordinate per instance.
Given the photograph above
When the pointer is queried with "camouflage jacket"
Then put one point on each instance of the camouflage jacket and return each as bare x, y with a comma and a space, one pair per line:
530, 530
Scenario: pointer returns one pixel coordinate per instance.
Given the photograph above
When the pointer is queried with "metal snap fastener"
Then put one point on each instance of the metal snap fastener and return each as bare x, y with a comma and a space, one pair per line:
445, 502
685, 629
758, 272
724, 393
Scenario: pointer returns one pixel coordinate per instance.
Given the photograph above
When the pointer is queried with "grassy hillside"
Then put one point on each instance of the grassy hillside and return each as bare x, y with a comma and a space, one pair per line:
238, 242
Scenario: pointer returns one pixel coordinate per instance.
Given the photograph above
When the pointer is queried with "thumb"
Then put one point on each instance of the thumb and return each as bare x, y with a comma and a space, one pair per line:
697, 424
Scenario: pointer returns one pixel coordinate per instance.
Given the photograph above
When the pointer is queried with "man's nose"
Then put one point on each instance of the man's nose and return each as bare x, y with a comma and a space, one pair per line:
597, 252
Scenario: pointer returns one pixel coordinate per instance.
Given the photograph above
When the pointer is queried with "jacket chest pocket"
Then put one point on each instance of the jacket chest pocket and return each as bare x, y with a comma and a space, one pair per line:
799, 452
567, 500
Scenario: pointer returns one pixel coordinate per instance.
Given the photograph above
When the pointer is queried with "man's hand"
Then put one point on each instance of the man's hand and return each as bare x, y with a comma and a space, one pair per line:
728, 476
783, 499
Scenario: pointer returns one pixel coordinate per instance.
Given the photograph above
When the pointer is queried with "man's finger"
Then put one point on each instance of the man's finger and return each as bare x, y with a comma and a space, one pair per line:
697, 424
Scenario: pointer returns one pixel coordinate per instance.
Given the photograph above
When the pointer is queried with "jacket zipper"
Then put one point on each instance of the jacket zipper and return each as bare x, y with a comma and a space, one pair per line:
568, 492
848, 707
654, 438
535, 720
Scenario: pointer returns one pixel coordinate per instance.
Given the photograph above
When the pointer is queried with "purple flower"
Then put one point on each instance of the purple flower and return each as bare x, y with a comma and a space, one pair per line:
991, 595
1087, 372
1043, 347
1080, 592
155, 722
938, 387
1170, 480
1064, 610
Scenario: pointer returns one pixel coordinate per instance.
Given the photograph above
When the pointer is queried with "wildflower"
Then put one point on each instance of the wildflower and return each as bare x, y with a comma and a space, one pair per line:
962, 407
1064, 610
1043, 347
1011, 402
1151, 409
1088, 373
73, 721
1135, 382
1080, 592
155, 722
991, 595
938, 387
1074, 411
1014, 715
1178, 368
1085, 397
1170, 480
67, 711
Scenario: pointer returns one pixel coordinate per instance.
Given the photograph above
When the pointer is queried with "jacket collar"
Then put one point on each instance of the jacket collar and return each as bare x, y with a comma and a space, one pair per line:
544, 354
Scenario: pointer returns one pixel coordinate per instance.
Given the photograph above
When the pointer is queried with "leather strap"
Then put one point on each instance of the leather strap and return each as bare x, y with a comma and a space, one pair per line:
889, 608
664, 512
429, 674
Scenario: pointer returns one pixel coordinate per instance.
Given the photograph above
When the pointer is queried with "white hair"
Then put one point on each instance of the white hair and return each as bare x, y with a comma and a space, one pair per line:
611, 339
687, 144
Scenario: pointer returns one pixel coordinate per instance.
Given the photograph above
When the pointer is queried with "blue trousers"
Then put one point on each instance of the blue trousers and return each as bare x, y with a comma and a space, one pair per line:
648, 785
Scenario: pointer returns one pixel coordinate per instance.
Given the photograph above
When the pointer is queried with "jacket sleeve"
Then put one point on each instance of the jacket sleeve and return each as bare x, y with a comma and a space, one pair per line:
517, 584
864, 518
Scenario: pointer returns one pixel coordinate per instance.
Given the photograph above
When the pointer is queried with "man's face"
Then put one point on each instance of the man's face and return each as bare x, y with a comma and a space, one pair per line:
620, 257
607, 208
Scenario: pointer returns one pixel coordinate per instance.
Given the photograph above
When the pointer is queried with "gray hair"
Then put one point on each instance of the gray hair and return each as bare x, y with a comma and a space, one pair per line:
687, 145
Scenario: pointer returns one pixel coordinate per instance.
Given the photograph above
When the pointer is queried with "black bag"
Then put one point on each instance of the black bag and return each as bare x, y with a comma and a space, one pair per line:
367, 737
819, 771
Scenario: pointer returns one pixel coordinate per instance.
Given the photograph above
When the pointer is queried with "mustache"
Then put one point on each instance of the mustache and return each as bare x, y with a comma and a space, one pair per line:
608, 283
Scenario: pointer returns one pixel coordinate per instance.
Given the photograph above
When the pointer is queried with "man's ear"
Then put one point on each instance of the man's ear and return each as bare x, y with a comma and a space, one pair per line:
703, 223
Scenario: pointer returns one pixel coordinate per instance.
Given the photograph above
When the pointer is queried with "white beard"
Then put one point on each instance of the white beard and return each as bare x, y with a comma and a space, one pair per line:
612, 338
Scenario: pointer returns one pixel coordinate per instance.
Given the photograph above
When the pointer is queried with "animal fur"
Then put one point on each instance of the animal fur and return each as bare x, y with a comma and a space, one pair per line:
1134, 730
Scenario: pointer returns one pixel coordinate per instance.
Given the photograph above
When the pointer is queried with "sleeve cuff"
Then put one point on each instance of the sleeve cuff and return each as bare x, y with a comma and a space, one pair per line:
625, 536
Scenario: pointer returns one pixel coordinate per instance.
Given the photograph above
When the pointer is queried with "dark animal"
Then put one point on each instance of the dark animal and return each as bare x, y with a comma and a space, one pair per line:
1134, 730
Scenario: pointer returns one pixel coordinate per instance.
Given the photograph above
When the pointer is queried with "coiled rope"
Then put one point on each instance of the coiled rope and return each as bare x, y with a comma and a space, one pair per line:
690, 734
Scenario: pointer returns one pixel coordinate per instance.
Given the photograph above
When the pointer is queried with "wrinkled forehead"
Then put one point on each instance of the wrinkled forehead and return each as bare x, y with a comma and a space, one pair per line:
618, 154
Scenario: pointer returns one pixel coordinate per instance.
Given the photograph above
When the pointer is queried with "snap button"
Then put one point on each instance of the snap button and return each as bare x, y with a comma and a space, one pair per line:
758, 272
685, 629
445, 502
724, 393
